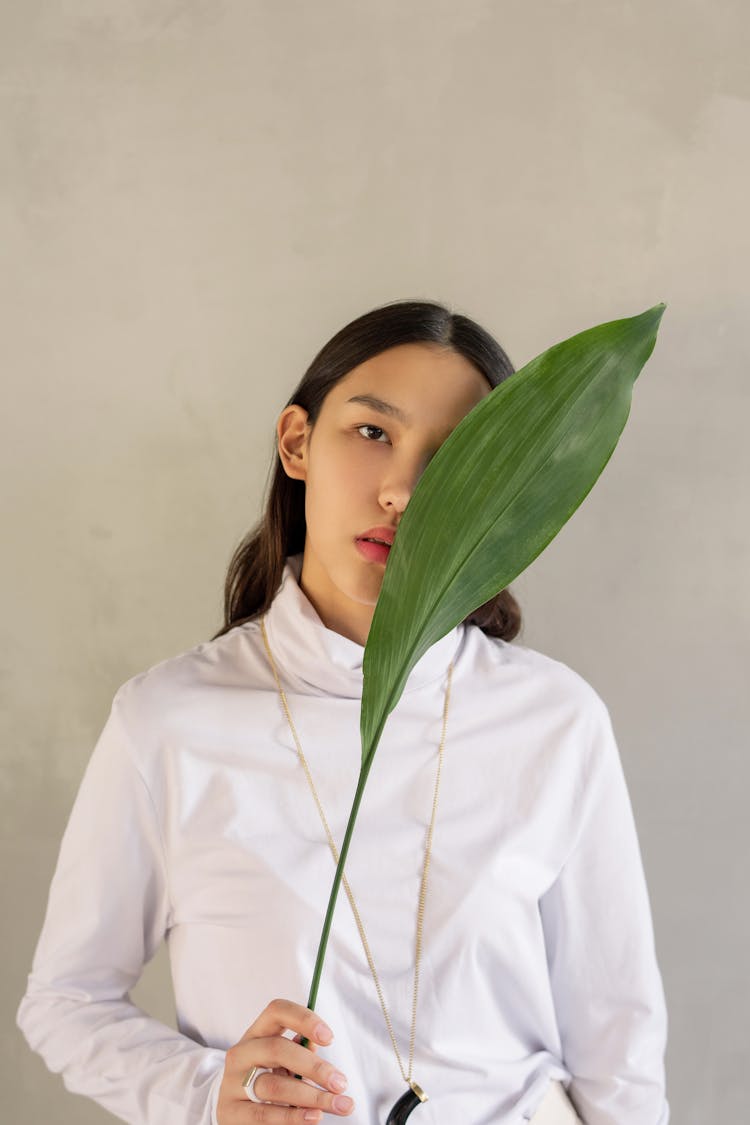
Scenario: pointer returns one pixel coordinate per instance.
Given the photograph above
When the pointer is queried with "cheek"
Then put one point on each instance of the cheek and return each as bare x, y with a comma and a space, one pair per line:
337, 486
347, 468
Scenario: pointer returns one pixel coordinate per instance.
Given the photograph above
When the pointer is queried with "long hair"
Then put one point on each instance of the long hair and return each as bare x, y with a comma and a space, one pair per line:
256, 568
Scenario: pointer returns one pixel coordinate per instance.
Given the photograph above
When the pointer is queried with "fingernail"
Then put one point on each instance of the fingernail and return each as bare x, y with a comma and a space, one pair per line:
343, 1104
323, 1034
338, 1081
312, 1115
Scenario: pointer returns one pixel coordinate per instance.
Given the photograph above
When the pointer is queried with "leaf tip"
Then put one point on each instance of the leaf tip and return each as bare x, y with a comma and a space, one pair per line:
655, 313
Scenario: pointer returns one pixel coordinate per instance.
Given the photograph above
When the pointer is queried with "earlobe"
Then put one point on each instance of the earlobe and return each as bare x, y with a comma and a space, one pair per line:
292, 432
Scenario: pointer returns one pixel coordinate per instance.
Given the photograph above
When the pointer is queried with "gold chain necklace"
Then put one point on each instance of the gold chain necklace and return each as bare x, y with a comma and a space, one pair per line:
415, 1094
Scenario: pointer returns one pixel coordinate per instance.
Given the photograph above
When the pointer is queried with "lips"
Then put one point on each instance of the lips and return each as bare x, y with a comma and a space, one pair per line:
384, 535
374, 552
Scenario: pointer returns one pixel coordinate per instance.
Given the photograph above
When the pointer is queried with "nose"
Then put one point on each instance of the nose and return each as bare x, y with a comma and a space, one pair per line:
399, 483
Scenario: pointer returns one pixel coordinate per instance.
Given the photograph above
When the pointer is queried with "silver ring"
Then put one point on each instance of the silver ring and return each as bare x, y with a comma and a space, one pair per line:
249, 1080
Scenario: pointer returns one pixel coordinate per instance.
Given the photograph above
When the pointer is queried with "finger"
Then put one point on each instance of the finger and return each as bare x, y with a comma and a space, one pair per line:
278, 1052
288, 1074
278, 1089
310, 1046
278, 1115
282, 1015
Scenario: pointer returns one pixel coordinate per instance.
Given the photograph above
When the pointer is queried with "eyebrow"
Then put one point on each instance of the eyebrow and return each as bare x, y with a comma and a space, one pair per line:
382, 407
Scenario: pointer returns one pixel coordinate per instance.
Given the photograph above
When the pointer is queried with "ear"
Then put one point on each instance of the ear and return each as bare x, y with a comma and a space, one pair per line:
293, 432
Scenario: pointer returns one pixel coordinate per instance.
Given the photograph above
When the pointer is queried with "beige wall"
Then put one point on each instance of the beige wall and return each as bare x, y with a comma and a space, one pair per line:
195, 195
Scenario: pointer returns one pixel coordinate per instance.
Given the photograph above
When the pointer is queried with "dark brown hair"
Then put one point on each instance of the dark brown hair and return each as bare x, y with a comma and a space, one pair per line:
257, 565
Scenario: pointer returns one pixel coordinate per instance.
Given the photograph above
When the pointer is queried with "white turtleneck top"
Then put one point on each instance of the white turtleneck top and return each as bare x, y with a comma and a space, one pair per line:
194, 823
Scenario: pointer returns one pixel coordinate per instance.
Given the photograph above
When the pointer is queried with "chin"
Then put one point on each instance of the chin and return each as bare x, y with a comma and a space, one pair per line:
364, 587
365, 592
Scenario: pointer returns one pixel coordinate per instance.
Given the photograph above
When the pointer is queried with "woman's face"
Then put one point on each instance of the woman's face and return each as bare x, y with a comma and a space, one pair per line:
361, 462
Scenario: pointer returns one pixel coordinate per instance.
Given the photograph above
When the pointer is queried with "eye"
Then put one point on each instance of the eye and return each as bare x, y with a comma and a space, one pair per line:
376, 428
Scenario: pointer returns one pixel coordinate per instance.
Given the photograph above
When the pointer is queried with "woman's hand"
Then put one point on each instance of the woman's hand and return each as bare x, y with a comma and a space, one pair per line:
285, 1099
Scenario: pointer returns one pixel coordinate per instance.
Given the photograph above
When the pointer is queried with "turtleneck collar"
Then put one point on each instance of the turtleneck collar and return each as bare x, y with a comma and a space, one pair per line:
325, 661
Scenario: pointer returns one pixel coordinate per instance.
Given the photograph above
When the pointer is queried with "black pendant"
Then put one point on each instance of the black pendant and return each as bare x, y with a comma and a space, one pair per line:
405, 1104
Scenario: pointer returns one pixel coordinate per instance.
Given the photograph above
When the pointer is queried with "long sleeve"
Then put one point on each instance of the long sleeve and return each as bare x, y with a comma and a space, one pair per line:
107, 913
598, 931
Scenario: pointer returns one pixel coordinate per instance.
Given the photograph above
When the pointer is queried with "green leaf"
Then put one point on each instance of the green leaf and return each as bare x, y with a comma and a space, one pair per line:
491, 499
497, 491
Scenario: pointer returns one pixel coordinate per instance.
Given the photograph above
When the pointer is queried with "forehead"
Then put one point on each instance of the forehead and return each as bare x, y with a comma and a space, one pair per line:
410, 376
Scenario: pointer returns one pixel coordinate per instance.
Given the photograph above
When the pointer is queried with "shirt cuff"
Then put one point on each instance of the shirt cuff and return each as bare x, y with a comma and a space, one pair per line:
214, 1096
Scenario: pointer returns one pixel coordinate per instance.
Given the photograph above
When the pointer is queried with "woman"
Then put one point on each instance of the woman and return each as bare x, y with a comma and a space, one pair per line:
214, 800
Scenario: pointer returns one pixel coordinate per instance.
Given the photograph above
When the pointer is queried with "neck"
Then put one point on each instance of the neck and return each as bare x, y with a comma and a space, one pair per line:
338, 622
341, 614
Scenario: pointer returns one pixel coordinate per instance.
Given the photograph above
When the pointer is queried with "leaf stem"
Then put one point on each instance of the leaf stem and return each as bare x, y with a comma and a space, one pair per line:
363, 774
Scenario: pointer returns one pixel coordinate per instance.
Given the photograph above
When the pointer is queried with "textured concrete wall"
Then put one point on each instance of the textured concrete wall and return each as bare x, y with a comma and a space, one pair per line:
195, 195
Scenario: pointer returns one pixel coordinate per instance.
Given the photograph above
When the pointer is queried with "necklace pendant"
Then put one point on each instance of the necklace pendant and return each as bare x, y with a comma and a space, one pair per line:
405, 1104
